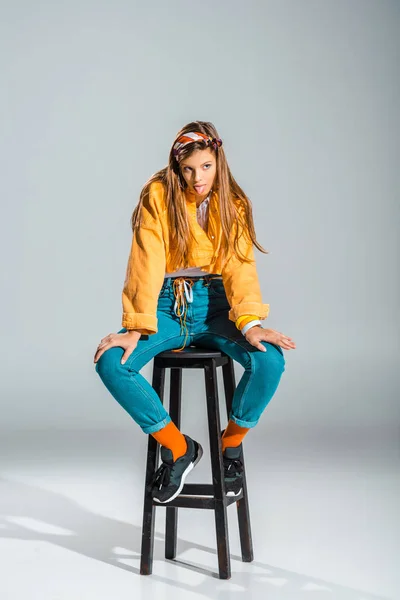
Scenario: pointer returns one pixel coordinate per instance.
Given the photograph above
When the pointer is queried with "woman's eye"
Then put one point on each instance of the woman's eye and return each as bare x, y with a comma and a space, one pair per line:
207, 165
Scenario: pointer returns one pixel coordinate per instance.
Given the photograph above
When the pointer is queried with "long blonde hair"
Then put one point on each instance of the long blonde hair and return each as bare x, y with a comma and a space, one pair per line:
229, 195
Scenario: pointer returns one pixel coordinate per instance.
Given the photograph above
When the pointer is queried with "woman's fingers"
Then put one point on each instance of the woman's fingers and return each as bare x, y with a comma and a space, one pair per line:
280, 339
287, 345
257, 344
279, 334
269, 335
105, 343
285, 339
101, 348
127, 354
287, 342
99, 353
115, 339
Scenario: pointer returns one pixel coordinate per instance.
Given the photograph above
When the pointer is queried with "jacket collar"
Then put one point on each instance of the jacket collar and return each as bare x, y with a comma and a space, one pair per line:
191, 198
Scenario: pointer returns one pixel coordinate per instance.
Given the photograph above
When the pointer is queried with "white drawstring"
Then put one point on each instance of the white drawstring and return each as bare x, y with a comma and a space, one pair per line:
188, 291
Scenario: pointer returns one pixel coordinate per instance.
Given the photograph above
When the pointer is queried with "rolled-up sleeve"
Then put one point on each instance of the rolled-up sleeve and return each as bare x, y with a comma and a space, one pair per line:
144, 273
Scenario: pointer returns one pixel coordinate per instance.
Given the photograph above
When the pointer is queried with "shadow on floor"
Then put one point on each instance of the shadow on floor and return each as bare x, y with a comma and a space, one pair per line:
95, 536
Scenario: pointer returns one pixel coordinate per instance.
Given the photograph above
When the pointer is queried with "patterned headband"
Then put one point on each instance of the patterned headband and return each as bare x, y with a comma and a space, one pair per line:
194, 136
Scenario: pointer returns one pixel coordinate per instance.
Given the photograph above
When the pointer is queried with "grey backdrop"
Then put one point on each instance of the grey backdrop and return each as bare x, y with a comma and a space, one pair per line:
305, 96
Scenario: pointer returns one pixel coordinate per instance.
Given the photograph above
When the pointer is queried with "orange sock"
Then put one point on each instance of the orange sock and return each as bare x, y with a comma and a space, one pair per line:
233, 435
170, 437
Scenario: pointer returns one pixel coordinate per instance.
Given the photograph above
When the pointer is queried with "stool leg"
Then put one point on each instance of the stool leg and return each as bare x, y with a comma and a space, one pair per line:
146, 561
171, 521
243, 511
214, 428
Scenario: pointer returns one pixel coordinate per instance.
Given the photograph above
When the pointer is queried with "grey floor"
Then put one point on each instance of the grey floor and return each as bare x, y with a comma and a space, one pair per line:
324, 509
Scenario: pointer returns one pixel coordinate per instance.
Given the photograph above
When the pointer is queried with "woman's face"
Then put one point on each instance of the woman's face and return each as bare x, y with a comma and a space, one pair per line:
198, 170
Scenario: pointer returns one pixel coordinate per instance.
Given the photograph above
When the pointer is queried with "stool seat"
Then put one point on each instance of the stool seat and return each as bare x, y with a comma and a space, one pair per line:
192, 352
196, 495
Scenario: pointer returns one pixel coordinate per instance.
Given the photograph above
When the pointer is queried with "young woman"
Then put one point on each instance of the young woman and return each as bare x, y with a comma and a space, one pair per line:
191, 279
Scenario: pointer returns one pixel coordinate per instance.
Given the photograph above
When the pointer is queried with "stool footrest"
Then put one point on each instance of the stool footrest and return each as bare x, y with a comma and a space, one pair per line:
198, 489
198, 495
206, 489
189, 502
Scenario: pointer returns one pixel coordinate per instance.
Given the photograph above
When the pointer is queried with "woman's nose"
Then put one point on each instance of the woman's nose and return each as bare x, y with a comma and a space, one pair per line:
197, 177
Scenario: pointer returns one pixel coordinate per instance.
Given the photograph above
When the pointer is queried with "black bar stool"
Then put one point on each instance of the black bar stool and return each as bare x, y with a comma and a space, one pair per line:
196, 495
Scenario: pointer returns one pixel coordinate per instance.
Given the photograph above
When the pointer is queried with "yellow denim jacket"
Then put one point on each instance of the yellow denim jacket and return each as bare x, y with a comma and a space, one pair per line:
150, 259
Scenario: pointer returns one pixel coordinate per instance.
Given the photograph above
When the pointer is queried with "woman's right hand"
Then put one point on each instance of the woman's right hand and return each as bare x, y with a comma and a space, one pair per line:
127, 340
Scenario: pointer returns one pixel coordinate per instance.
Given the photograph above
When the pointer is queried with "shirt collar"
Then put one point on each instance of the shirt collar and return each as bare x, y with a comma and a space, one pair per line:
191, 197
204, 203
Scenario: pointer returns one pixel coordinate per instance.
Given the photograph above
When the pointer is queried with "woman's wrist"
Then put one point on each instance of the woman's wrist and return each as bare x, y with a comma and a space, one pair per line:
248, 326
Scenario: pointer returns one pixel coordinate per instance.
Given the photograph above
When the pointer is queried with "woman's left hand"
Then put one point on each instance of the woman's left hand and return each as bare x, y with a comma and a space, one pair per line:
257, 334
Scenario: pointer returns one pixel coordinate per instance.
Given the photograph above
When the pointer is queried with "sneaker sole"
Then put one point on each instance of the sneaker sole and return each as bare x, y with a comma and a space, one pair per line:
232, 494
184, 475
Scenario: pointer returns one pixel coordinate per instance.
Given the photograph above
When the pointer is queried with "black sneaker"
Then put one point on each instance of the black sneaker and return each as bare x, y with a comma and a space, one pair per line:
233, 470
170, 477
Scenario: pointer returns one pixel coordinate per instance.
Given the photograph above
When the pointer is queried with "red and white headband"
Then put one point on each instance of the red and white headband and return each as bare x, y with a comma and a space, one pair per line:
194, 136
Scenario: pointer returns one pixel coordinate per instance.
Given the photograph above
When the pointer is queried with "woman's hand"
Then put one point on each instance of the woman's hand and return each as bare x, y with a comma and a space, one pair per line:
127, 340
257, 334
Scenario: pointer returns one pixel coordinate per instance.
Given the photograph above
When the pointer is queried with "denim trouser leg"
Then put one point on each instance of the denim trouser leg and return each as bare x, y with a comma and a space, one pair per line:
131, 390
263, 370
208, 325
